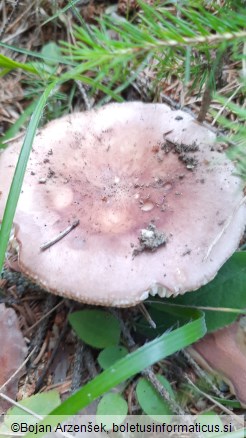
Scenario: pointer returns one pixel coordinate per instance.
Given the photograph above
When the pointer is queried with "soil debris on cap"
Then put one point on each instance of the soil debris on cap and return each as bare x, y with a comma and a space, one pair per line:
181, 148
150, 239
183, 151
190, 162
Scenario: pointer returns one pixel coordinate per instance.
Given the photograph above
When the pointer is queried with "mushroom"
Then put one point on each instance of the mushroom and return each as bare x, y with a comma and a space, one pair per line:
147, 205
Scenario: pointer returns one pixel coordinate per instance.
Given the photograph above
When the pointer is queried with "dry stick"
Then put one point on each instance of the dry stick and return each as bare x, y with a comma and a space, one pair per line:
83, 94
60, 236
52, 356
43, 317
217, 309
151, 377
18, 370
90, 363
214, 75
78, 366
41, 353
215, 402
23, 408
147, 316
225, 105
125, 331
201, 373
40, 334
17, 137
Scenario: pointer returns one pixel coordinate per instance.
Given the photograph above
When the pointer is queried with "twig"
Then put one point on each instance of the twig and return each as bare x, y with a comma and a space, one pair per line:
223, 408
40, 334
18, 405
83, 94
151, 377
215, 309
147, 315
41, 353
228, 222
9, 140
51, 358
90, 363
43, 317
225, 105
201, 373
77, 366
60, 236
170, 101
125, 331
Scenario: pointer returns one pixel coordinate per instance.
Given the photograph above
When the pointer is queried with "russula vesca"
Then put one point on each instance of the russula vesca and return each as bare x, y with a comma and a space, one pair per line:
158, 210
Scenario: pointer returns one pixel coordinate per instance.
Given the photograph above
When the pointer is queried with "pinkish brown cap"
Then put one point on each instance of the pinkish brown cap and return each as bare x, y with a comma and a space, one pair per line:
158, 211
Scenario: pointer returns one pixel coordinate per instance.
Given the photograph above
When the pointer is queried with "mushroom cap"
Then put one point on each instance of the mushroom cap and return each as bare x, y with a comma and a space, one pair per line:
124, 170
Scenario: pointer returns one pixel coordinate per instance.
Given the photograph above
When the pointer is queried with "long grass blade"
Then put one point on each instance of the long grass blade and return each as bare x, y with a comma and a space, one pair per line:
16, 185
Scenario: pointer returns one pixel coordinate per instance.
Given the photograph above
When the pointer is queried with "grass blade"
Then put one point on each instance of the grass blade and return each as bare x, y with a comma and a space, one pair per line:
15, 128
16, 185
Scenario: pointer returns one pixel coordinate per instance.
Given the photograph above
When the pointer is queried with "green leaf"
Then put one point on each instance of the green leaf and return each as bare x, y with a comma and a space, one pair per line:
97, 328
211, 420
232, 403
41, 404
52, 52
130, 365
151, 401
226, 291
110, 355
8, 63
112, 404
113, 409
